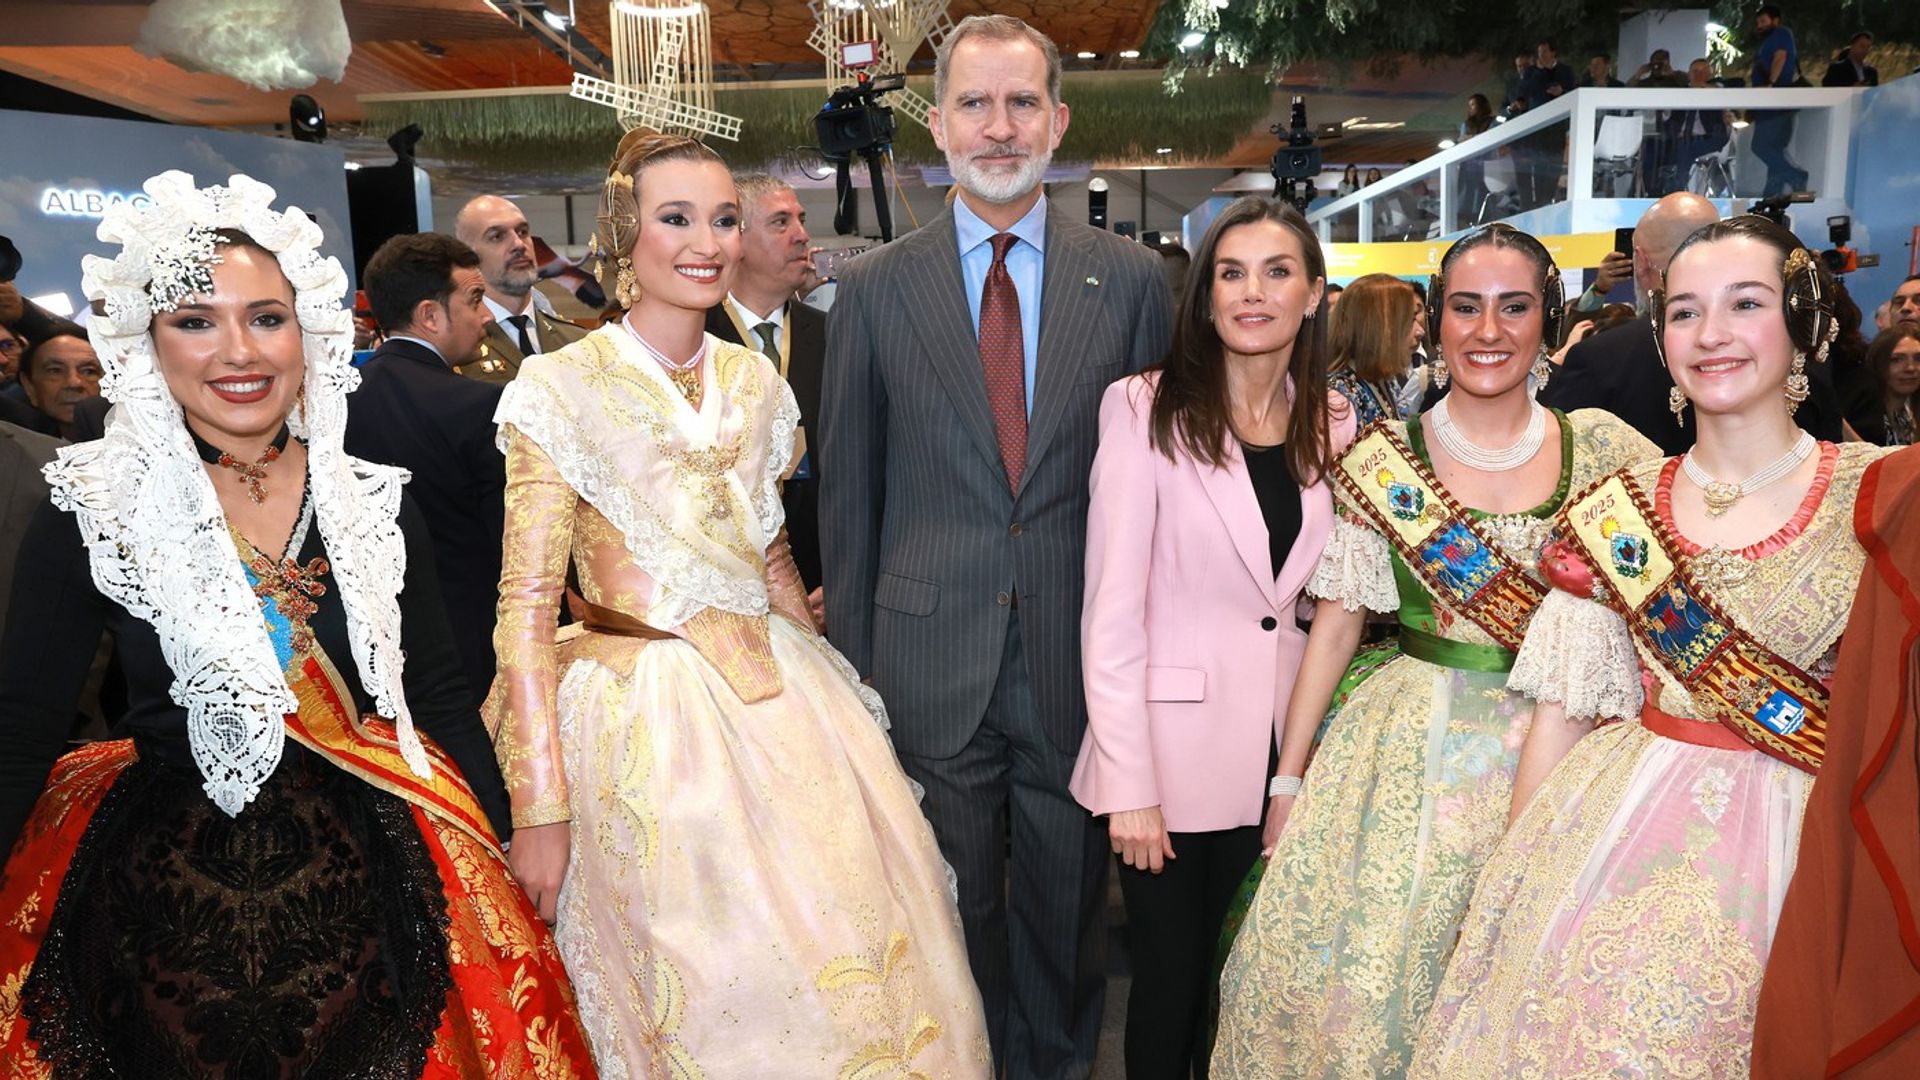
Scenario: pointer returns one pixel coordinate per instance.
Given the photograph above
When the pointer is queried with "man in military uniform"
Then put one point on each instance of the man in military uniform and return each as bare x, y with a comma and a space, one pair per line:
524, 322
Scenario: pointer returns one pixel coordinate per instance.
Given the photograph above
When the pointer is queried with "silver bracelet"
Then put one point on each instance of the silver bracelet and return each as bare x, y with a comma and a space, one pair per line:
1284, 785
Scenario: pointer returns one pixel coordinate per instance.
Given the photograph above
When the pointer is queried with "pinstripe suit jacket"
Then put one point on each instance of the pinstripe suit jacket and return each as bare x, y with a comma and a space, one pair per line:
923, 544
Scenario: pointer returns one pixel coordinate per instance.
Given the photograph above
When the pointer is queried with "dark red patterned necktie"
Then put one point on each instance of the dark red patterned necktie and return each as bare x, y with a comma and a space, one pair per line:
1003, 358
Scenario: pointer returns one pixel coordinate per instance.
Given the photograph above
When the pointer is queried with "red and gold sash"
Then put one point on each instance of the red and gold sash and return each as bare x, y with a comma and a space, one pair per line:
1769, 702
366, 747
1437, 538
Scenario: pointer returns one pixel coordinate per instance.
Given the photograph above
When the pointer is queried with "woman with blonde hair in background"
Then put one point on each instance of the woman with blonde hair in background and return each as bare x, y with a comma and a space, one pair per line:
1375, 328
705, 796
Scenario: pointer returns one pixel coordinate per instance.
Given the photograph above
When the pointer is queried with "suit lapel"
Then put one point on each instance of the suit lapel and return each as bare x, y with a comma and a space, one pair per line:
1230, 488
720, 326
936, 303
1066, 297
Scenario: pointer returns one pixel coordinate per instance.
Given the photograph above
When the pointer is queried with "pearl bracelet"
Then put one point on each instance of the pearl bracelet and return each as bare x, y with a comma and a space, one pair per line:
1284, 785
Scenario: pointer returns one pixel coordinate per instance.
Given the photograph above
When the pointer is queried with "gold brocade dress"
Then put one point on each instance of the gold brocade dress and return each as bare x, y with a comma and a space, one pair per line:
1354, 920
753, 890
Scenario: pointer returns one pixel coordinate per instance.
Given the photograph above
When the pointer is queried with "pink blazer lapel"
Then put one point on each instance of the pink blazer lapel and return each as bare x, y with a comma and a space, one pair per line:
1230, 489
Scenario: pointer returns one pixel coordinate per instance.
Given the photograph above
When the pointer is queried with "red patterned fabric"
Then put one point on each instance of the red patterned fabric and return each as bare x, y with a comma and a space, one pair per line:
509, 1016
1003, 358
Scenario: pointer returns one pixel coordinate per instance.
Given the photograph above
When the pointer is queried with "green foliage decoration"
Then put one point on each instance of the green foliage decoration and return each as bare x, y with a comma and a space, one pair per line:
1381, 34
1115, 120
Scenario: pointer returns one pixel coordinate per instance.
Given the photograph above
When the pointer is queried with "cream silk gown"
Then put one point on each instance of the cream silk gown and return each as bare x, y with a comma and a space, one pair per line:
752, 890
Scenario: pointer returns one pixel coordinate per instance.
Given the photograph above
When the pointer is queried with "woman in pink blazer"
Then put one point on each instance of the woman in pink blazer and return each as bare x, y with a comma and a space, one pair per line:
1209, 510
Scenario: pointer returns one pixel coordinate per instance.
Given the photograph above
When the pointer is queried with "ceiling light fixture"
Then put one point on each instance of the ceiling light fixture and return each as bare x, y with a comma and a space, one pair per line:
554, 19
1130, 54
1085, 55
1447, 144
1193, 40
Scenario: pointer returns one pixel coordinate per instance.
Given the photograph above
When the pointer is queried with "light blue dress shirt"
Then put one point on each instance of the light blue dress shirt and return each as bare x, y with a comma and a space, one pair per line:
1025, 261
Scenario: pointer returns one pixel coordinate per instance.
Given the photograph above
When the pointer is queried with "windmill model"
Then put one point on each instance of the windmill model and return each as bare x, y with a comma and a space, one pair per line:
662, 70
894, 28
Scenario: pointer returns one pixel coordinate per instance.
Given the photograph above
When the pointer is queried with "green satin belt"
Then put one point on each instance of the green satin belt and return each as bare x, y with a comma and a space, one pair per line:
1446, 652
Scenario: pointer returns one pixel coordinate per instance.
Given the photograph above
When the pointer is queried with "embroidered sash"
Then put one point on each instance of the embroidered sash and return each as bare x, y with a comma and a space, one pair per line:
1437, 538
1769, 702
328, 725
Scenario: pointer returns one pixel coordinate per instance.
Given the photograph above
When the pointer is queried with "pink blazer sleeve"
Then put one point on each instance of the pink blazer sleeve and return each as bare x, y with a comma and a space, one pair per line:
1115, 771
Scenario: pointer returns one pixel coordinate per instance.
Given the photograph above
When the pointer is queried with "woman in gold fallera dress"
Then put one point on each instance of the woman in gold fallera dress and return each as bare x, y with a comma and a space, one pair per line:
1622, 927
1365, 890
704, 794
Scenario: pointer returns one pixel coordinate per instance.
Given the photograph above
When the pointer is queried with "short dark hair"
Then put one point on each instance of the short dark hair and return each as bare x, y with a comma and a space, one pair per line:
1548, 42
1861, 34
1771, 11
410, 268
58, 328
1608, 57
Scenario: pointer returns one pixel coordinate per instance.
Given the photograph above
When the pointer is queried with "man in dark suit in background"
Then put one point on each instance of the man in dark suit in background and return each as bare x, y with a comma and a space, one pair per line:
1850, 68
524, 323
414, 411
760, 312
958, 421
23, 489
1621, 370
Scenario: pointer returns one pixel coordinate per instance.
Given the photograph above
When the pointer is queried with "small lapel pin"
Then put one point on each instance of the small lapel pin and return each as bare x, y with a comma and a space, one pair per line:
1093, 280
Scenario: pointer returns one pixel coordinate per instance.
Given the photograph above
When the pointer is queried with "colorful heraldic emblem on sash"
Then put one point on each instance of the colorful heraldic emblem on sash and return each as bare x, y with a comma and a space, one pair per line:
1769, 702
1436, 536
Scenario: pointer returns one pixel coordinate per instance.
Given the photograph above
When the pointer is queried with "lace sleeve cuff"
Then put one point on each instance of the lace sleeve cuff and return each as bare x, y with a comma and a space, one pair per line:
1355, 569
1579, 652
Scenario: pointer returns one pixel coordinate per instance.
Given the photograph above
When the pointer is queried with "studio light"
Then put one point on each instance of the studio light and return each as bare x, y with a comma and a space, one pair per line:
1097, 202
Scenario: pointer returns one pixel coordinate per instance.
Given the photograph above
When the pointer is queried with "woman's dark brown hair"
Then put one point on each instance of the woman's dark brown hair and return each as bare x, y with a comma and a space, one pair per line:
1191, 413
1880, 353
1367, 332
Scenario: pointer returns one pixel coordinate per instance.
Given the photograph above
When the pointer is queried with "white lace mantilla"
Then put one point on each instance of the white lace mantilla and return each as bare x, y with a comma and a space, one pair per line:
157, 540
697, 507
1355, 569
1579, 652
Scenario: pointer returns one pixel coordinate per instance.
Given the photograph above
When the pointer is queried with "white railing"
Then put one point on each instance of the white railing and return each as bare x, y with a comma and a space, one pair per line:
1820, 145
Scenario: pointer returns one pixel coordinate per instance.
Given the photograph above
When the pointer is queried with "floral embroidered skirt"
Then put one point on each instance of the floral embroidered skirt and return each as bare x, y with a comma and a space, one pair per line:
1623, 925
753, 890
331, 929
1363, 897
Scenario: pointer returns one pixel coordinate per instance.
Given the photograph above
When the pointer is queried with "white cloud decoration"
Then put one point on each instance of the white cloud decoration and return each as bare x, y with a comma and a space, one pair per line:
267, 44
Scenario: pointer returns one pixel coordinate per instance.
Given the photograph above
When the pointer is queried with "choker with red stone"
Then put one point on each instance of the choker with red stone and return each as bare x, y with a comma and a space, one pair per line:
253, 473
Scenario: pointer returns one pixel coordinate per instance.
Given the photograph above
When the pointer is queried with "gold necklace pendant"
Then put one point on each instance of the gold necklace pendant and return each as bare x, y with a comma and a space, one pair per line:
688, 380
1720, 497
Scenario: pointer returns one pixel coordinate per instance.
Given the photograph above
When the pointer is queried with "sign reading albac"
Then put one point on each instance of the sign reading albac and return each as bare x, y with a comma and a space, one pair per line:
86, 202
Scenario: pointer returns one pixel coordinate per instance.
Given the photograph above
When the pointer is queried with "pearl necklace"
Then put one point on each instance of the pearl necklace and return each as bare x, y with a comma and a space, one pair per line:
1475, 456
686, 375
1721, 495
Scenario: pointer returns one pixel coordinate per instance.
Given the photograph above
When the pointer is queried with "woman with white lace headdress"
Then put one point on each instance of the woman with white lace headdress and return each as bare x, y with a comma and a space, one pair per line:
276, 874
704, 795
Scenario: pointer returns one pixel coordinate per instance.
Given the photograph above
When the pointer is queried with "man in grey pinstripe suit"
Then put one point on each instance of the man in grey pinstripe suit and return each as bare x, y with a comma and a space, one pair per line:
954, 526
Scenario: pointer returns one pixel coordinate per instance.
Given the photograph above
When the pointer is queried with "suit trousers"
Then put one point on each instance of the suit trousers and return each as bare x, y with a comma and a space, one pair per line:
1034, 910
1173, 934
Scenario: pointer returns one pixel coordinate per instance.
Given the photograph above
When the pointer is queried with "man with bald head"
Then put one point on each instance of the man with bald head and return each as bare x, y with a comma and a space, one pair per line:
1621, 370
524, 322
